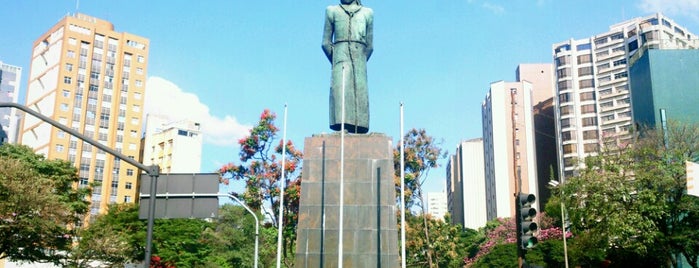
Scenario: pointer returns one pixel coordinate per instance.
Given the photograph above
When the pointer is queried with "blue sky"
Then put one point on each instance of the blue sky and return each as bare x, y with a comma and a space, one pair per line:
227, 61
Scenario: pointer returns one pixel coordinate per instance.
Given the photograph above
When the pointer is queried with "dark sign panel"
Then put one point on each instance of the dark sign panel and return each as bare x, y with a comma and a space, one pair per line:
181, 196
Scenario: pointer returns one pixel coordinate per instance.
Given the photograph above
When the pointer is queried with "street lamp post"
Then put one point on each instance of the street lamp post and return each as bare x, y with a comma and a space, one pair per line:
555, 184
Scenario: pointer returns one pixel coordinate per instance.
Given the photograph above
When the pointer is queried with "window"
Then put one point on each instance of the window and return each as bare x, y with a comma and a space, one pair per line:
569, 148
589, 121
563, 73
66, 93
617, 36
585, 70
584, 46
620, 75
585, 96
619, 62
563, 85
141, 59
139, 83
562, 60
606, 104
567, 135
591, 147
69, 67
588, 108
585, 83
64, 107
566, 110
565, 123
590, 134
127, 199
605, 79
59, 148
584, 58
600, 41
182, 132
67, 79
70, 54
633, 45
129, 172
564, 97
128, 186
139, 70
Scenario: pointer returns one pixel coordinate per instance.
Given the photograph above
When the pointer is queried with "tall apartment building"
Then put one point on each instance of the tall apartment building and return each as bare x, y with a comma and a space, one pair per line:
466, 185
592, 84
174, 146
509, 138
91, 78
437, 205
10, 77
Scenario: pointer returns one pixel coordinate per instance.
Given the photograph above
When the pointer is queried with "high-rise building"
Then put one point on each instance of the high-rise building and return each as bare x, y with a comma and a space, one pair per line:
174, 146
593, 105
466, 196
437, 205
10, 77
508, 138
667, 80
91, 78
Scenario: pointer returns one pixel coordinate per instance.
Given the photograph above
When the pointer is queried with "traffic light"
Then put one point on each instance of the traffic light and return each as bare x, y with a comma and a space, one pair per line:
526, 225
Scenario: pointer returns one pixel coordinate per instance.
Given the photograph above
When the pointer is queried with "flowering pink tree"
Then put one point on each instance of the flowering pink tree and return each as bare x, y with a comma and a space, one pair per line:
503, 231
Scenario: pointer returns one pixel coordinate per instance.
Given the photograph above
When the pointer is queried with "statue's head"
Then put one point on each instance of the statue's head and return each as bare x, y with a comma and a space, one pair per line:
347, 2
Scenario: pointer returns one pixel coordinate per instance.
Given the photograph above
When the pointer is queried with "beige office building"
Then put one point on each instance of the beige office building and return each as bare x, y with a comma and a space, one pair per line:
509, 138
91, 78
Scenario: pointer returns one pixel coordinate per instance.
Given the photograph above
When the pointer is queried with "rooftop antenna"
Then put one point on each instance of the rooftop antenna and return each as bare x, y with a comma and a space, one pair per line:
77, 5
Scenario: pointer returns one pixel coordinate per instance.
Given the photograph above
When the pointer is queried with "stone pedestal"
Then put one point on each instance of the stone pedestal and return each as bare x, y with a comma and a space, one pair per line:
370, 234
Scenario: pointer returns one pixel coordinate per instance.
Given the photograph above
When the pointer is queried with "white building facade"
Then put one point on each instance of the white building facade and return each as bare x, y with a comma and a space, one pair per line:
593, 105
466, 192
175, 146
437, 205
10, 77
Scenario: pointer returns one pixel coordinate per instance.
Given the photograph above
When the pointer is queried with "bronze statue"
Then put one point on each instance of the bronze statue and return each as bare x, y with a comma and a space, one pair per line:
347, 42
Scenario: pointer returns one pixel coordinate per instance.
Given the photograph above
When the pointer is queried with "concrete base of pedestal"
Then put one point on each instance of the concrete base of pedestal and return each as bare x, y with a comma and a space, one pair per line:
370, 234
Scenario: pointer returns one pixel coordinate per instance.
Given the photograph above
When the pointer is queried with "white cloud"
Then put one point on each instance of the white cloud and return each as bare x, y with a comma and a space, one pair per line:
165, 98
688, 8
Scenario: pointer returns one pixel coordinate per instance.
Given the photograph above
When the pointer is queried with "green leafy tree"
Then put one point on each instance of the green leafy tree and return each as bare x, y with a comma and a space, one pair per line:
233, 239
261, 169
630, 203
421, 154
119, 237
39, 205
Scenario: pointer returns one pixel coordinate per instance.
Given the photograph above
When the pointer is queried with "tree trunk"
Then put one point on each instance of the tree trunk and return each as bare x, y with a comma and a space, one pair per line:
428, 248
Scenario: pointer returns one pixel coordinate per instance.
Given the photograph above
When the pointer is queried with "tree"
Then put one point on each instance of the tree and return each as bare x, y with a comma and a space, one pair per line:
631, 203
421, 154
233, 239
497, 244
261, 171
39, 205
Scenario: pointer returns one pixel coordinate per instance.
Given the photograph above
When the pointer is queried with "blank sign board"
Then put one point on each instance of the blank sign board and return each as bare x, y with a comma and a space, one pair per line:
181, 196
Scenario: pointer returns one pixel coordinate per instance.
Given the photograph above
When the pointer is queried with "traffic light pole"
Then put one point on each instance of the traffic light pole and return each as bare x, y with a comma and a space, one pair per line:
516, 176
153, 171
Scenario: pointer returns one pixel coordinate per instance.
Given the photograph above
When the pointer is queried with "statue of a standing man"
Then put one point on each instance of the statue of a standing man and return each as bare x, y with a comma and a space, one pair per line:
347, 42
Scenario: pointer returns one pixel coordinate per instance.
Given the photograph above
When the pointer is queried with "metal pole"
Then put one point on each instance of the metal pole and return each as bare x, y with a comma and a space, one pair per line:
257, 224
151, 214
342, 173
565, 232
402, 190
280, 222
